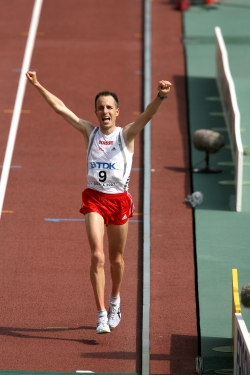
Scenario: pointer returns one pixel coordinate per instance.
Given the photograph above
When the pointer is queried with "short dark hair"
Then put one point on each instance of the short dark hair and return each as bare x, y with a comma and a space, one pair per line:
107, 93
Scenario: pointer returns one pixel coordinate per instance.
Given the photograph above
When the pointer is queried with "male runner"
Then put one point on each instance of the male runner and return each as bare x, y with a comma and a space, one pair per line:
106, 199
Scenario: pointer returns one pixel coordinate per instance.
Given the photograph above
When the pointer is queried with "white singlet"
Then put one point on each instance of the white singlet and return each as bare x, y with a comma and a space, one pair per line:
108, 162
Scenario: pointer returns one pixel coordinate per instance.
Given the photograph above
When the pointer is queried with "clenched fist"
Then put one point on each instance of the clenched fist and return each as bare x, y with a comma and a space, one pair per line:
32, 77
164, 87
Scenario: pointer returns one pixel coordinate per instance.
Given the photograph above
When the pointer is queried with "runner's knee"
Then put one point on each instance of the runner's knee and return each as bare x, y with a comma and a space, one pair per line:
116, 263
97, 260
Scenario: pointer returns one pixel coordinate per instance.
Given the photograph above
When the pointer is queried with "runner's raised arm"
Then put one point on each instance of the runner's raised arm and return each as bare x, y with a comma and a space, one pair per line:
132, 130
85, 127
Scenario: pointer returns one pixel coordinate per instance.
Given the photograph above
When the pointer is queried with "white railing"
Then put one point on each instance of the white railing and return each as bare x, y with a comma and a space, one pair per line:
231, 111
241, 347
240, 334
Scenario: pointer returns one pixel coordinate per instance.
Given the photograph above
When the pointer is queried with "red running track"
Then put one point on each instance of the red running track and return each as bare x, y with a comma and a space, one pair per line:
173, 329
48, 314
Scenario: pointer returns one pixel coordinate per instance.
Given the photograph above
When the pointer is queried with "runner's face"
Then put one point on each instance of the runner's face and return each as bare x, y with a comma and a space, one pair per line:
106, 112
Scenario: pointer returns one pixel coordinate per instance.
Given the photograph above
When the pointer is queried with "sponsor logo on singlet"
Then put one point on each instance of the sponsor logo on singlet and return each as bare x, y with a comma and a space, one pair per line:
102, 165
105, 143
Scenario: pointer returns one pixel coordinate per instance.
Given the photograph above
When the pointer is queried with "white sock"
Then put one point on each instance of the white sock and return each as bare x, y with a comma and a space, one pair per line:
102, 313
114, 299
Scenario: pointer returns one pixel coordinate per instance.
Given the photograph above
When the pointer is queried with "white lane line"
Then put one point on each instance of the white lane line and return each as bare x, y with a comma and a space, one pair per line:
19, 99
146, 195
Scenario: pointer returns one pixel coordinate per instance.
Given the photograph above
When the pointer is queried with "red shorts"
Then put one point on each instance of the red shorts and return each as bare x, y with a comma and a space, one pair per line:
114, 208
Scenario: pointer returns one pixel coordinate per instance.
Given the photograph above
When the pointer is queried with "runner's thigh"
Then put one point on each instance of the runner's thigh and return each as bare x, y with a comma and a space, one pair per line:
117, 236
95, 230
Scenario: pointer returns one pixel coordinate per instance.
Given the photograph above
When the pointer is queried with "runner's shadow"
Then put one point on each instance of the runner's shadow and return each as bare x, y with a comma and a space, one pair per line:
24, 333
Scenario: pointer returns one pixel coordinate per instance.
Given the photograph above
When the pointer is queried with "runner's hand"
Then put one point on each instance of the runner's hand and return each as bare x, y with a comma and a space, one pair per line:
32, 77
164, 87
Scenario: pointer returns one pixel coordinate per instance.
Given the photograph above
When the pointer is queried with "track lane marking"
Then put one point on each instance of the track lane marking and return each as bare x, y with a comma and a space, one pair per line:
146, 195
19, 99
68, 219
26, 33
13, 166
18, 70
12, 110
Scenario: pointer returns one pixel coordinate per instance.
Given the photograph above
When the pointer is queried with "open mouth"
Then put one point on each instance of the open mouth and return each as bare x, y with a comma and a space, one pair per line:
106, 119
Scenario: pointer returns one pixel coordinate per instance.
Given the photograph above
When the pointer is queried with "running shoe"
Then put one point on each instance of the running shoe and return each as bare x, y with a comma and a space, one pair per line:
114, 314
102, 325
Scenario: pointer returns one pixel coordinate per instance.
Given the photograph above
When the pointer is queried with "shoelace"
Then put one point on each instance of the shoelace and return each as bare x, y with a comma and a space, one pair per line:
102, 320
114, 309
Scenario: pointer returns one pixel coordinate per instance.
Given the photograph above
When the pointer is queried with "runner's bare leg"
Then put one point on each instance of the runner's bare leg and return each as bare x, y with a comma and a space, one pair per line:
95, 230
117, 236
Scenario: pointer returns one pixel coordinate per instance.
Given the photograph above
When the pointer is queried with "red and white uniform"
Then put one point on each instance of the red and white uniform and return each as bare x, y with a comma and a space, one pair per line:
108, 171
108, 162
